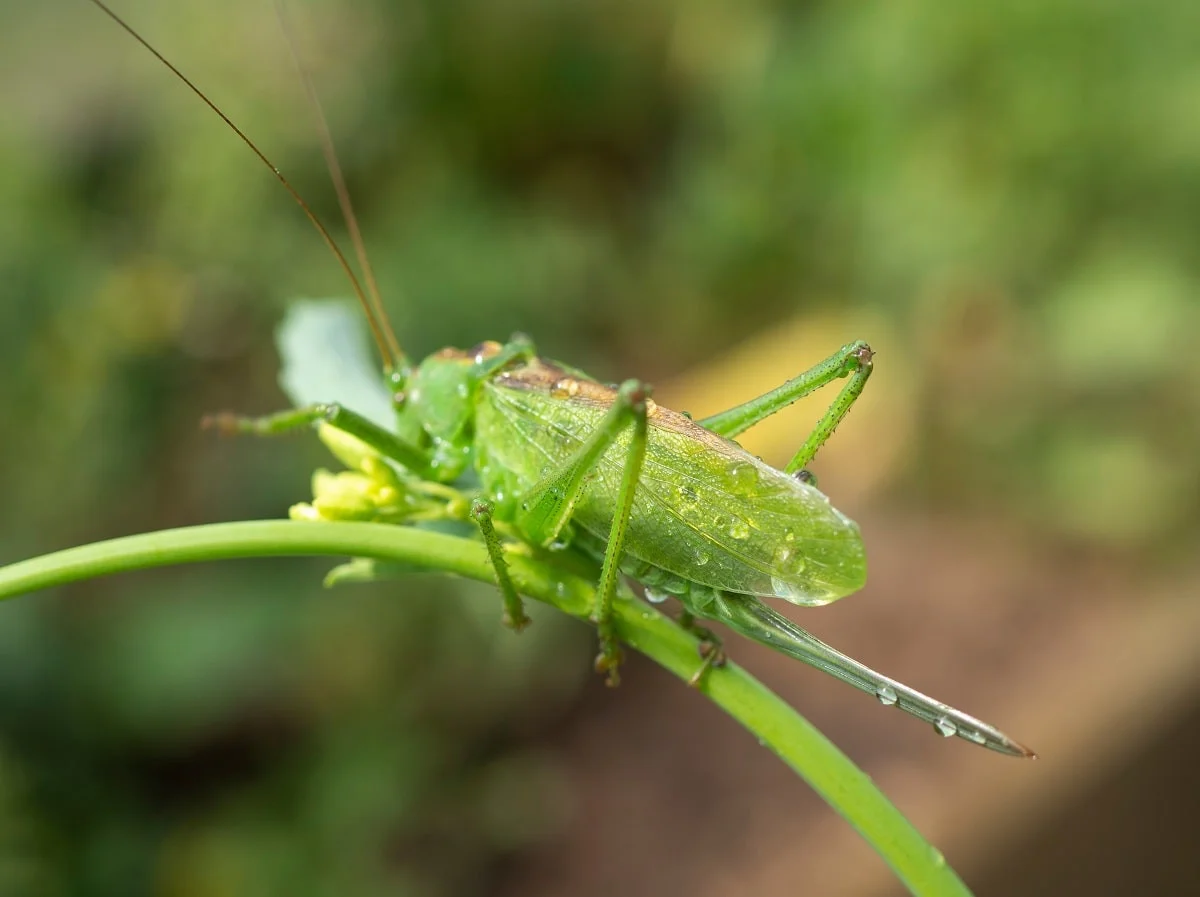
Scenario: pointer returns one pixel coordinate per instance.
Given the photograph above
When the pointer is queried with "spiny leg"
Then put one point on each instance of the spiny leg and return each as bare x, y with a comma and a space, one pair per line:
609, 657
852, 360
514, 609
712, 653
544, 510
387, 444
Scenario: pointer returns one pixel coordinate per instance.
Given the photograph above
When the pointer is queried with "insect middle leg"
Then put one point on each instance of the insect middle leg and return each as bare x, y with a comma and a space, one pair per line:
514, 609
852, 360
544, 511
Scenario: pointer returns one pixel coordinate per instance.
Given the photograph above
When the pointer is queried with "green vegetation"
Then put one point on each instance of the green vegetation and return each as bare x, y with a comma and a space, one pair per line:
638, 184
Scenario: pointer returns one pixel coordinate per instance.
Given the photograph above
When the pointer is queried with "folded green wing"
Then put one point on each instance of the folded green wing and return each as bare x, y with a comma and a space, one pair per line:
705, 509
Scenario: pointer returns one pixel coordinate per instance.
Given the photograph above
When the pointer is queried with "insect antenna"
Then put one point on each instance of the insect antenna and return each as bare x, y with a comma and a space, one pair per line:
339, 186
390, 358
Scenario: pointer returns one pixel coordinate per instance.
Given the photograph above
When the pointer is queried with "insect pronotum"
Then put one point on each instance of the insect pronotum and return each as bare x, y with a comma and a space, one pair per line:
533, 451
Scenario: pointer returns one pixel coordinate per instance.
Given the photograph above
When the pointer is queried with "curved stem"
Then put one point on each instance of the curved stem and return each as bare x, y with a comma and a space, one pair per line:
846, 788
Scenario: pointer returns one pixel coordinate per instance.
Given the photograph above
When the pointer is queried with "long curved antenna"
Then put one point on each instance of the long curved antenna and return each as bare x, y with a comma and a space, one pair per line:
339, 186
376, 330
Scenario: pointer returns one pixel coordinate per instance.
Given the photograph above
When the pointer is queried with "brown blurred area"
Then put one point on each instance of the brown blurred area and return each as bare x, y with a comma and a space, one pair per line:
1002, 201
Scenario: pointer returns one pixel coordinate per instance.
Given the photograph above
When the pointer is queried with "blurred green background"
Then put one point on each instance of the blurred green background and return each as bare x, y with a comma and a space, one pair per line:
1004, 200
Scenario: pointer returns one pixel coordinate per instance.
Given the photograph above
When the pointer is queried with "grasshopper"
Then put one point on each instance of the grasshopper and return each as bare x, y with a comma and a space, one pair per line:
532, 451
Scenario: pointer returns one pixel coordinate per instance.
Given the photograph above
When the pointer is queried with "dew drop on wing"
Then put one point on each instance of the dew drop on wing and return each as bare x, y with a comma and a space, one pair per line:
787, 560
742, 478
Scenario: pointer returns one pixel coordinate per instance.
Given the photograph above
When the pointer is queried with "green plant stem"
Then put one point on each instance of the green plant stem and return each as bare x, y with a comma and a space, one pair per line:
846, 788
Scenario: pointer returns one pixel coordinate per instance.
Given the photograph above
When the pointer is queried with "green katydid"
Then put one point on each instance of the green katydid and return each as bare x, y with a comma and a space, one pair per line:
536, 453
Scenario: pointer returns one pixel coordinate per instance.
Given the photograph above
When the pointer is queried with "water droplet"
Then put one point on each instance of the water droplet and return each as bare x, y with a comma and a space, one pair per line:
972, 735
558, 545
945, 726
788, 560
462, 390
566, 388
654, 596
720, 522
742, 478
739, 530
700, 558
887, 695
486, 350
936, 857
687, 493
789, 536
560, 589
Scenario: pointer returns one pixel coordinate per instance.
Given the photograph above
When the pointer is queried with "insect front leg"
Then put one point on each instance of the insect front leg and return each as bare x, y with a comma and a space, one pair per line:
852, 360
386, 443
546, 508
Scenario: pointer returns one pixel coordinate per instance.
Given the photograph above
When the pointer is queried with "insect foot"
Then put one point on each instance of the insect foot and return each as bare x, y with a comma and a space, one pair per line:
609, 660
710, 649
864, 354
224, 422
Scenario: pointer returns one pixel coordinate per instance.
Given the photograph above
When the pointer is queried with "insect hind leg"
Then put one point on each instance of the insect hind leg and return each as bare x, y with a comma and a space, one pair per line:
853, 360
546, 508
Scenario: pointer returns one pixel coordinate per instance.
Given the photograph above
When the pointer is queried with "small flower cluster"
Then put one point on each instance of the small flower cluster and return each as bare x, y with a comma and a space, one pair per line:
371, 489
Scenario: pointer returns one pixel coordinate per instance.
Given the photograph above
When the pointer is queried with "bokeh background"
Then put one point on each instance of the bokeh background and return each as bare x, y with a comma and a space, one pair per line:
1004, 200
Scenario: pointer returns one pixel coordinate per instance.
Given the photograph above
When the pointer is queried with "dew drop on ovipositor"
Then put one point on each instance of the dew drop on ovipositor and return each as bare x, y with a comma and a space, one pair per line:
739, 530
656, 596
945, 726
742, 478
887, 695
